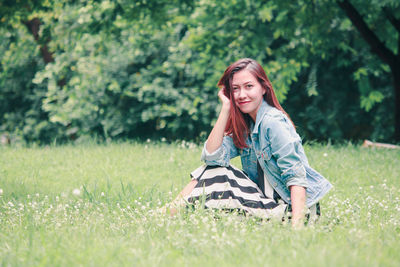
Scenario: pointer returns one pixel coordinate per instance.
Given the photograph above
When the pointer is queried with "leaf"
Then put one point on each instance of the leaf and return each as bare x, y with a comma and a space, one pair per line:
311, 85
374, 97
266, 14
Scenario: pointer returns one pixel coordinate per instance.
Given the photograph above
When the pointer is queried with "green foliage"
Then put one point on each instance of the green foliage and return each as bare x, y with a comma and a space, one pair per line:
20, 99
128, 69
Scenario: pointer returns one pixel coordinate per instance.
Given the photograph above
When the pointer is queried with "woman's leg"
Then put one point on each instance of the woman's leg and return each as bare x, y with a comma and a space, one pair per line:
178, 201
187, 189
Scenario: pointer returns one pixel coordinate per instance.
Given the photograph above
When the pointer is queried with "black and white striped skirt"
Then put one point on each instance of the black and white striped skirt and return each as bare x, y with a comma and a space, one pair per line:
229, 188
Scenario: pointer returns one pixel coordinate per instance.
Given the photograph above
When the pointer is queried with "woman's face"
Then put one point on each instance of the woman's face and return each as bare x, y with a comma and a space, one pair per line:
247, 92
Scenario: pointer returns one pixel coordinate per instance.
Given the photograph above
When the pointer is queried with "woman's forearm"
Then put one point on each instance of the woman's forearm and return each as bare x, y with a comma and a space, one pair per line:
298, 196
216, 136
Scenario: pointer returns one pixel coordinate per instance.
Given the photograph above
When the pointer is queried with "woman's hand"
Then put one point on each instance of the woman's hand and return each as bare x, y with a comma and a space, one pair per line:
226, 102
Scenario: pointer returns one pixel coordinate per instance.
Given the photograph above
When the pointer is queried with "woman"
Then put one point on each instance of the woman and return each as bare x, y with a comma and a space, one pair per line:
276, 176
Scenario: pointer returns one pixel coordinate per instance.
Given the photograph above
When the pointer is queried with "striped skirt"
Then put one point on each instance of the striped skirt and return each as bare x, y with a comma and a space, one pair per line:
229, 188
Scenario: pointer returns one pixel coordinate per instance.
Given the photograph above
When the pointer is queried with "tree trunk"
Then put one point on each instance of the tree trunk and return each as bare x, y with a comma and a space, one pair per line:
33, 26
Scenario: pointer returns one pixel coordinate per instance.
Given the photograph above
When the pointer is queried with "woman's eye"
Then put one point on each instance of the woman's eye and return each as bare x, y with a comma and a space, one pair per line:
249, 86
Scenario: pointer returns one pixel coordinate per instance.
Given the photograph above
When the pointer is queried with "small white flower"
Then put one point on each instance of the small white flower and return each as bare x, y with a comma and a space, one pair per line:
148, 140
1, 191
163, 139
76, 192
325, 154
102, 194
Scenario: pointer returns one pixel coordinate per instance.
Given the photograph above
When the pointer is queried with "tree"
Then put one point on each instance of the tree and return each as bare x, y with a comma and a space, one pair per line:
22, 55
387, 54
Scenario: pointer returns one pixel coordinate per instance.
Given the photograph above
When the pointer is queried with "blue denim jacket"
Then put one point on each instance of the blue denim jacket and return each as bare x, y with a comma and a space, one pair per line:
273, 141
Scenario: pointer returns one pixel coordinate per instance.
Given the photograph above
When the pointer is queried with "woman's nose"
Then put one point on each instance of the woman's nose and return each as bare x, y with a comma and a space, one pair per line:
242, 94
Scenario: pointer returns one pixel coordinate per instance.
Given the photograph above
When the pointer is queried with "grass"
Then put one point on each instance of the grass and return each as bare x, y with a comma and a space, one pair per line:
94, 205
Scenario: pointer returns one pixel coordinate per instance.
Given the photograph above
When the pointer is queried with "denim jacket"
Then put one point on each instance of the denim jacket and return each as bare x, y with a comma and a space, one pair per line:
274, 143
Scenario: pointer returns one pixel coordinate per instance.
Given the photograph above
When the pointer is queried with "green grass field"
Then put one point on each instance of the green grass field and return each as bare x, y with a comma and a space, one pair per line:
94, 205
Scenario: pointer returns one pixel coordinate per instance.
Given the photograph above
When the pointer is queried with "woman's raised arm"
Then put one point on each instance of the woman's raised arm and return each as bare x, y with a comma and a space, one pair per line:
216, 136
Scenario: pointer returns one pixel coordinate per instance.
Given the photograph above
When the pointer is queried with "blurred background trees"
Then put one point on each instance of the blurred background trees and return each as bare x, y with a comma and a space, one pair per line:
148, 69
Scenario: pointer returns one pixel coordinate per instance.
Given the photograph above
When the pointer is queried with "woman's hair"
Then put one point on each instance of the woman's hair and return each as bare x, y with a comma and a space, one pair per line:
239, 122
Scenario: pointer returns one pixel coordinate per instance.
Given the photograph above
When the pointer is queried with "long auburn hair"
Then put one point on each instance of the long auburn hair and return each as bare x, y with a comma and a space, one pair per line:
239, 123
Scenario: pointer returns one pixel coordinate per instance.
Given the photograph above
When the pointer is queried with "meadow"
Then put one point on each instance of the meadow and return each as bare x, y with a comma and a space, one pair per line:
96, 205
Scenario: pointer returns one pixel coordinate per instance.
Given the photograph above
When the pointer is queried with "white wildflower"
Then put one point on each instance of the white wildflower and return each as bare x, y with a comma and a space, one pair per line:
76, 192
325, 154
102, 194
1, 191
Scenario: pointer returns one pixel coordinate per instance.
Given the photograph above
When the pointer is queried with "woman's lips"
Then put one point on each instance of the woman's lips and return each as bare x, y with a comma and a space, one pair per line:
244, 102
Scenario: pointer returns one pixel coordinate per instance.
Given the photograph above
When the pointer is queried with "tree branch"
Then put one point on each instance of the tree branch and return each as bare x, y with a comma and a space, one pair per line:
395, 22
369, 36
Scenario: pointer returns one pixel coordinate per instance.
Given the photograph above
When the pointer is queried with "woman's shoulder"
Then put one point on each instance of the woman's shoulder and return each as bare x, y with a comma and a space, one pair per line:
273, 115
275, 122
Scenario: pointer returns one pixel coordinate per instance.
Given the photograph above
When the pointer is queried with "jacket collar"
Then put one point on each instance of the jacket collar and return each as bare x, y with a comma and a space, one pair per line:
264, 108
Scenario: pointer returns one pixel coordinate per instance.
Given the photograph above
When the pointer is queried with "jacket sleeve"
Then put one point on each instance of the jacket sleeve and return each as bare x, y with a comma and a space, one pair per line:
221, 156
285, 147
